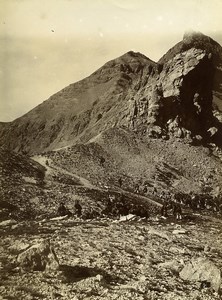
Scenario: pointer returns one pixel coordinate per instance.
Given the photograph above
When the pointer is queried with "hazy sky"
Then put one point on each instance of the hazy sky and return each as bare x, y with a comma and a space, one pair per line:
48, 44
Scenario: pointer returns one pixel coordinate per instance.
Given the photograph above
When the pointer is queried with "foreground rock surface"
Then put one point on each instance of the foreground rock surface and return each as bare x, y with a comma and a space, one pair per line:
107, 260
202, 270
39, 257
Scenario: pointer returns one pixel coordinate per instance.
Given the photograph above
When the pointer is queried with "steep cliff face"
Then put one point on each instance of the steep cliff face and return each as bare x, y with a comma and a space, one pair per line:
180, 101
172, 98
200, 41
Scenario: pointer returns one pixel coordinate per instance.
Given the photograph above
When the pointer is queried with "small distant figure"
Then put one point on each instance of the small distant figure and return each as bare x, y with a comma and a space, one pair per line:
162, 196
78, 208
63, 211
102, 161
120, 182
145, 189
177, 210
154, 190
164, 210
137, 188
47, 162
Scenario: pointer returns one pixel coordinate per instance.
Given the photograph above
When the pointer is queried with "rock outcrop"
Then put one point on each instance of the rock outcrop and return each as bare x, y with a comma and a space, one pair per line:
39, 257
202, 270
180, 102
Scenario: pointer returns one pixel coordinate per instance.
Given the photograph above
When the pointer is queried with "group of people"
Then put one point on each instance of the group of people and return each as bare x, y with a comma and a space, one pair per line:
204, 201
121, 206
195, 202
171, 205
64, 211
174, 206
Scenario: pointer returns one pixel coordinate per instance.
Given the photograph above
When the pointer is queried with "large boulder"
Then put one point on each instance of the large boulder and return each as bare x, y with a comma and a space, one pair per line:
202, 270
39, 257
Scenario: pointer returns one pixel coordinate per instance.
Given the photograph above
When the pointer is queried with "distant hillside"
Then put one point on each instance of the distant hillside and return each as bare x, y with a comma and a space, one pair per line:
78, 108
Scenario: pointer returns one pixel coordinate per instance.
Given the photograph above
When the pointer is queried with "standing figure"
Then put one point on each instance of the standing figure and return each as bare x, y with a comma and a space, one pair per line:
177, 211
145, 189
120, 182
137, 188
78, 208
164, 210
63, 211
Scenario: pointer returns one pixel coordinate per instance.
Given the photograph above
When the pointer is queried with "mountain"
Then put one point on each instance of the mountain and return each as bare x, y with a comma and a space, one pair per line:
170, 98
155, 126
129, 138
78, 110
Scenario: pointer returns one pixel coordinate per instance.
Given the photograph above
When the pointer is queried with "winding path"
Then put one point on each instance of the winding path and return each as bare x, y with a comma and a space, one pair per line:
51, 168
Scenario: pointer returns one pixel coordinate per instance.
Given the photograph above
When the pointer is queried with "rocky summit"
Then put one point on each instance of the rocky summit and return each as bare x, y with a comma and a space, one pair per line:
111, 188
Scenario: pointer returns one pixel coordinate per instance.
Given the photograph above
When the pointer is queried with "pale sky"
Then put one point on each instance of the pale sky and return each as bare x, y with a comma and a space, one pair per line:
48, 44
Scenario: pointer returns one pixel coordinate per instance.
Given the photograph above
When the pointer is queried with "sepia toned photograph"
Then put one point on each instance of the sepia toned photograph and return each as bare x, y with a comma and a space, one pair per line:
110, 150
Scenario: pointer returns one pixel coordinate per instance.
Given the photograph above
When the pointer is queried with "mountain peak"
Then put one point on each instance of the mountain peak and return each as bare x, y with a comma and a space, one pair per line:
133, 56
197, 40
192, 34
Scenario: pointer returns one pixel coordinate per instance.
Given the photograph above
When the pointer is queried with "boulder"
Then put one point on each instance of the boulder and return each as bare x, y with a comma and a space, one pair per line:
179, 231
159, 233
202, 270
8, 223
39, 257
173, 265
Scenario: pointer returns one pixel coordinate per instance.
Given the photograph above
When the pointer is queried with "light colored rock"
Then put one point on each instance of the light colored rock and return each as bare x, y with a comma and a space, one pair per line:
172, 265
29, 179
59, 218
177, 250
212, 131
179, 231
19, 246
126, 218
159, 233
7, 222
202, 269
39, 257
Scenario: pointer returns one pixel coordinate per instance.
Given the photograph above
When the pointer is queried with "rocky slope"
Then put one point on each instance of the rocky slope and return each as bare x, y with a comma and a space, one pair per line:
170, 98
79, 109
169, 165
34, 187
115, 260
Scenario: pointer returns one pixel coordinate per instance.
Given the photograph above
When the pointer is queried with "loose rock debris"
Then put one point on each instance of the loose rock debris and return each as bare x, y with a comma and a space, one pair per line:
101, 259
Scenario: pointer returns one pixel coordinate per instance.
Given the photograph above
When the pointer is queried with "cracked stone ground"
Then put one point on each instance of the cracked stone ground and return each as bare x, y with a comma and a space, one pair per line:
109, 259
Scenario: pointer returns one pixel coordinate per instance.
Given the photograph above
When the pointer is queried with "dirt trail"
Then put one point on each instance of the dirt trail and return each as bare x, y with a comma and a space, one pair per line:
142, 197
82, 180
51, 168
